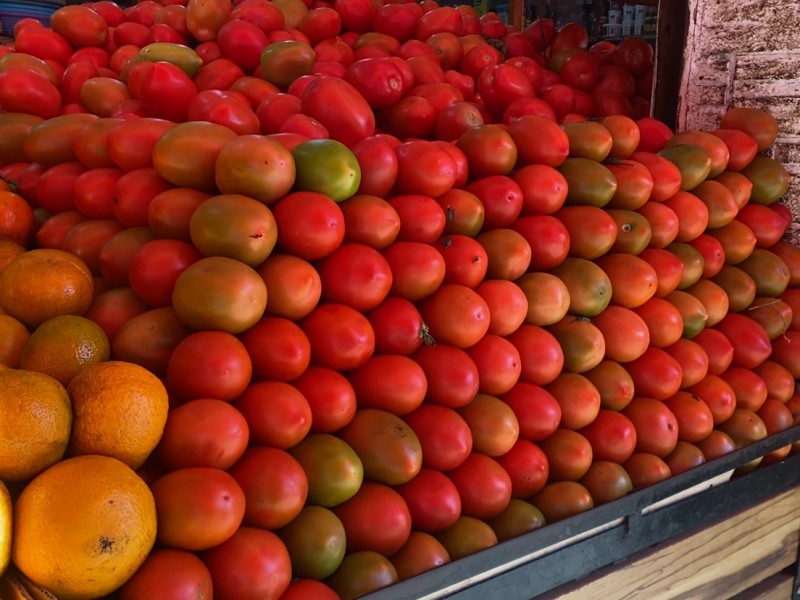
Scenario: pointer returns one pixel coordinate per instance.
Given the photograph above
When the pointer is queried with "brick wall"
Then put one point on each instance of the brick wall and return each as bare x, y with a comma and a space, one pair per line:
746, 53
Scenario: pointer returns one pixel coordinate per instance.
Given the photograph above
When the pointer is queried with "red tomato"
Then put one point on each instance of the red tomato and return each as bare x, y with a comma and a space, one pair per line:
355, 275
278, 348
540, 354
569, 455
537, 410
444, 435
456, 315
376, 518
451, 374
655, 374
694, 415
390, 382
398, 327
169, 574
424, 167
322, 229
612, 436
252, 564
751, 345
203, 433
87, 239
656, 426
432, 500
274, 485
340, 337
340, 108
527, 466
379, 164
508, 305
187, 498
289, 413
646, 469
484, 486
418, 269
548, 238
155, 268
379, 80
330, 397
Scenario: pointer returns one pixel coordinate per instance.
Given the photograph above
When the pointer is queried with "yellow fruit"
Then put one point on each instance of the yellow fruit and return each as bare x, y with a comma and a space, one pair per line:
35, 421
119, 409
83, 527
13, 337
5, 528
64, 345
44, 283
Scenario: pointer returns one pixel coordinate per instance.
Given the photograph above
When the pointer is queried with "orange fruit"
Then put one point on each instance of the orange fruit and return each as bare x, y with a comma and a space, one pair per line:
5, 527
13, 338
9, 251
83, 527
63, 345
35, 420
17, 222
45, 283
120, 410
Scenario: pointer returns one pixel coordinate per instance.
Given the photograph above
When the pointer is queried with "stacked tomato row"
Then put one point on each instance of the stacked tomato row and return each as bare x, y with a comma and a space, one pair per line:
403, 313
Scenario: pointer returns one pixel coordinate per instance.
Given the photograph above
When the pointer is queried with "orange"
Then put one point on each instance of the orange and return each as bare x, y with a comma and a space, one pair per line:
5, 528
17, 222
9, 251
35, 420
120, 410
83, 527
45, 283
13, 338
64, 345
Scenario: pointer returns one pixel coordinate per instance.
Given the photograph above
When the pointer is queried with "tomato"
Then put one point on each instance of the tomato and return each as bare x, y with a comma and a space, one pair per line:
169, 574
398, 327
656, 374
26, 91
451, 374
378, 161
716, 444
323, 225
330, 397
334, 470
278, 348
588, 285
692, 358
614, 384
694, 415
767, 225
155, 268
579, 221
633, 280
669, 268
274, 486
537, 410
308, 589
387, 525
569, 455
759, 124
432, 500
484, 486
315, 540
264, 557
255, 166
646, 469
203, 433
490, 150
218, 353
578, 399
289, 413
340, 108
404, 395
540, 353
186, 154
424, 168
750, 341
456, 315
113, 308
186, 497
745, 427
445, 437
784, 352
492, 423
778, 379
86, 240
508, 305
656, 426
749, 388
149, 338
588, 182
465, 259
663, 321
685, 456
364, 571
422, 552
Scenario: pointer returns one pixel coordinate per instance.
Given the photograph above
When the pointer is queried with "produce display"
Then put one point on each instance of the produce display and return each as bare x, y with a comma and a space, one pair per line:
299, 300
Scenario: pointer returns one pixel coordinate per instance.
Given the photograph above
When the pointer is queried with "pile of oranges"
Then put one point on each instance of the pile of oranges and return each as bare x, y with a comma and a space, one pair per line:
74, 427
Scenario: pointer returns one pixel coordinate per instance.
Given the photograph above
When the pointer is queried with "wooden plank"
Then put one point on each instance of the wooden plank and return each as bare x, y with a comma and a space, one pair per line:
717, 562
777, 587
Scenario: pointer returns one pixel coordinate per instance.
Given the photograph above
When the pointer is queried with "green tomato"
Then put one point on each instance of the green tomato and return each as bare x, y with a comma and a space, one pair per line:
327, 167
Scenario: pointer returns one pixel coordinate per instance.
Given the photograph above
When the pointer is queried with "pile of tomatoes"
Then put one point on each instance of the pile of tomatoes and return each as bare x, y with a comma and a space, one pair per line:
407, 299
